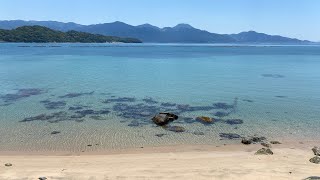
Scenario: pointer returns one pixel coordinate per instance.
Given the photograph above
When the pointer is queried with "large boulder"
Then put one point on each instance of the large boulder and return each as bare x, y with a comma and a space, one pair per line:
316, 151
162, 119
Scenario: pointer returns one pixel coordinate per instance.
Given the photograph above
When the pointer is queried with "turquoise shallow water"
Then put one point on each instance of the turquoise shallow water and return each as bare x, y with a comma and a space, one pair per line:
116, 89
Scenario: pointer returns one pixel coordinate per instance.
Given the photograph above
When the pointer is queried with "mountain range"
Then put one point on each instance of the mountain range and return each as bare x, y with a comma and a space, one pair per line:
181, 33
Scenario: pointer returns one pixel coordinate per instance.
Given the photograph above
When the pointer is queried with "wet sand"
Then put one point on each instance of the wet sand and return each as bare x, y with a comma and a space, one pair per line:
290, 161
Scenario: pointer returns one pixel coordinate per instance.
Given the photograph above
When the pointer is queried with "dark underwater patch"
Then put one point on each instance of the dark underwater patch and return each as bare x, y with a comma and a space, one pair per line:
48, 104
74, 95
248, 100
273, 75
150, 100
281, 96
167, 104
119, 100
221, 114
137, 111
233, 121
229, 136
21, 94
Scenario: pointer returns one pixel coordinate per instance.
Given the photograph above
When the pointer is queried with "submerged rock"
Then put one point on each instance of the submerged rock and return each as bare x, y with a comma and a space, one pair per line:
167, 104
234, 121
150, 100
264, 151
119, 100
164, 118
229, 136
204, 119
134, 123
160, 135
315, 160
55, 132
275, 142
316, 151
198, 133
20, 94
73, 95
177, 129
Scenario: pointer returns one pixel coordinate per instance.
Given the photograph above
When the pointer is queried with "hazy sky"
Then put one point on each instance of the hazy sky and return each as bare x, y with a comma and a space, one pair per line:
293, 18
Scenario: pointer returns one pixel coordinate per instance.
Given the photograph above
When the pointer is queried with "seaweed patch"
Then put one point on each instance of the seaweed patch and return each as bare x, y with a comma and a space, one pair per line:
73, 95
53, 104
20, 94
119, 100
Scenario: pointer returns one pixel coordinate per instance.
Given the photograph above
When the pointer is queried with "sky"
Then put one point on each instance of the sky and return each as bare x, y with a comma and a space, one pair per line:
291, 18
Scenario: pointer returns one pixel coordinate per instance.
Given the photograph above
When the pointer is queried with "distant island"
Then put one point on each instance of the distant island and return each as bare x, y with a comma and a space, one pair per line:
181, 33
40, 34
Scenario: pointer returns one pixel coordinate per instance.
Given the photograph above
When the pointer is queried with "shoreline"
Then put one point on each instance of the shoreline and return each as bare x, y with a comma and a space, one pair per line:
228, 162
303, 145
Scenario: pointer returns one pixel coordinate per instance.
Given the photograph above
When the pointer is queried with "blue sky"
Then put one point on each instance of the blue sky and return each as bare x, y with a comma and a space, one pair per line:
293, 18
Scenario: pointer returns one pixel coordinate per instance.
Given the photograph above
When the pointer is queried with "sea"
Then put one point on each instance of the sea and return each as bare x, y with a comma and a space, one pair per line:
95, 97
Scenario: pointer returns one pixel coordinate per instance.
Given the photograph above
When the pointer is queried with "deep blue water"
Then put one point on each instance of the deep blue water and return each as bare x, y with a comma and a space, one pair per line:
107, 94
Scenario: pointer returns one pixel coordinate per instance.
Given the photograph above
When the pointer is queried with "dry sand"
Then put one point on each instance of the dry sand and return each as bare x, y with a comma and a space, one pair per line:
175, 162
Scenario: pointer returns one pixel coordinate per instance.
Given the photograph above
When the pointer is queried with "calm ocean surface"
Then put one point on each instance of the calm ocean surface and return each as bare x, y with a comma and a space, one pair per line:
63, 97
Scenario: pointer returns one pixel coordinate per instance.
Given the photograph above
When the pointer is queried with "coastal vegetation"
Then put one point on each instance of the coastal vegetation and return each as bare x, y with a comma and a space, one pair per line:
40, 34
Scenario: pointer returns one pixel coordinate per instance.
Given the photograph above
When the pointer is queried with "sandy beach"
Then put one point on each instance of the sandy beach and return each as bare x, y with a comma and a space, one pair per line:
175, 162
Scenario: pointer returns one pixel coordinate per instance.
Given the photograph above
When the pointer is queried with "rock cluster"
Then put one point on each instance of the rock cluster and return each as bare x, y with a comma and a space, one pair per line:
316, 152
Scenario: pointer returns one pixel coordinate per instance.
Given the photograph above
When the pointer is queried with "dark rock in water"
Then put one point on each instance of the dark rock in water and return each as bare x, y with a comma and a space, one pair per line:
164, 118
267, 145
86, 112
221, 114
275, 142
77, 116
8, 164
79, 120
233, 121
120, 99
229, 136
315, 160
316, 151
177, 129
189, 120
75, 108
273, 75
280, 96
41, 117
20, 94
73, 95
150, 100
168, 104
246, 141
160, 135
312, 178
224, 106
137, 111
98, 118
53, 104
134, 123
248, 100
198, 133
264, 151
103, 112
204, 119
55, 132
